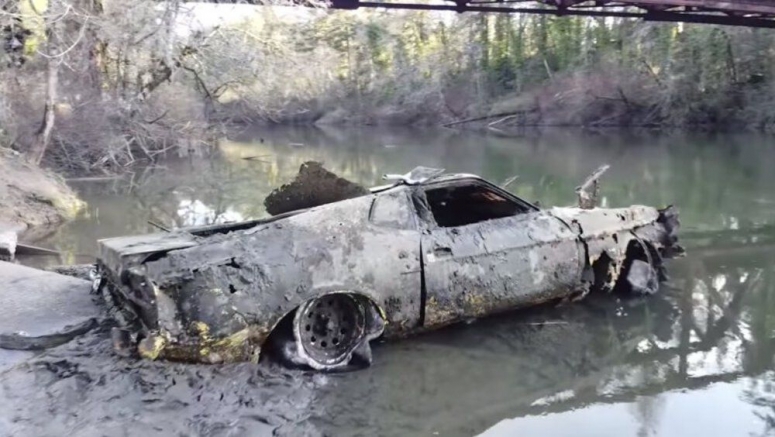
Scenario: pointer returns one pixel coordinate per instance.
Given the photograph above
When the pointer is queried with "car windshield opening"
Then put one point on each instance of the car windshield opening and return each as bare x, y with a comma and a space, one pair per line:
467, 204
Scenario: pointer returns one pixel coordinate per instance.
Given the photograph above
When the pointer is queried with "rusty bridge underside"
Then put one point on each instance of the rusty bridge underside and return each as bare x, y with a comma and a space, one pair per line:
750, 13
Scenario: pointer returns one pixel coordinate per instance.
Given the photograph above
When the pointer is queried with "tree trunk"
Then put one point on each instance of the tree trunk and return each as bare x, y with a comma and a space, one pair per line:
43, 136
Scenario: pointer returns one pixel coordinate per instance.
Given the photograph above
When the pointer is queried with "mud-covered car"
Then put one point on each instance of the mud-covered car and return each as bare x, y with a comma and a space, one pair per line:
320, 283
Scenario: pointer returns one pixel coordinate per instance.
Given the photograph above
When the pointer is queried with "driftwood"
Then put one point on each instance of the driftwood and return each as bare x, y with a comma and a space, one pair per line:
158, 226
505, 184
480, 118
26, 249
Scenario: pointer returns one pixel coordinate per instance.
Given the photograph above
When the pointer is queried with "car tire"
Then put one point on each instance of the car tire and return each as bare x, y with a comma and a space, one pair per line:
334, 331
640, 274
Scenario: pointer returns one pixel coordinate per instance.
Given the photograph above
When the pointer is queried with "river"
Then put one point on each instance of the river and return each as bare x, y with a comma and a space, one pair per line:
696, 359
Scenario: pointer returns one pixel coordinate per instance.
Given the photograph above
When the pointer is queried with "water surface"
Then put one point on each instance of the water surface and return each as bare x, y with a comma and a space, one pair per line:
695, 360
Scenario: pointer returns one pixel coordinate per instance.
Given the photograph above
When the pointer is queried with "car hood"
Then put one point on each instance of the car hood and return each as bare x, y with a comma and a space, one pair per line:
604, 221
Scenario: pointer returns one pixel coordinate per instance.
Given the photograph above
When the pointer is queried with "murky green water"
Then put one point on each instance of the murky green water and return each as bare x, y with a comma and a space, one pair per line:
695, 360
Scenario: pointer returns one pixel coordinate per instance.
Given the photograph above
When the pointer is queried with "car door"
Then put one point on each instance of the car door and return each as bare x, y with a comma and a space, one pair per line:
492, 265
390, 261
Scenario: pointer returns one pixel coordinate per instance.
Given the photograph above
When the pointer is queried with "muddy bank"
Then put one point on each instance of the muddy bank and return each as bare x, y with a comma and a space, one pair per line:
83, 389
455, 382
32, 200
608, 97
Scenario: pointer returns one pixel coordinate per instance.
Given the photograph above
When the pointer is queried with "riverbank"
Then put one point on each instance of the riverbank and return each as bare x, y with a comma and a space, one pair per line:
602, 97
32, 200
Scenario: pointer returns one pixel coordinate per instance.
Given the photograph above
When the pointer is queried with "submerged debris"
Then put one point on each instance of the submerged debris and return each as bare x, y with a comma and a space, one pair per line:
313, 186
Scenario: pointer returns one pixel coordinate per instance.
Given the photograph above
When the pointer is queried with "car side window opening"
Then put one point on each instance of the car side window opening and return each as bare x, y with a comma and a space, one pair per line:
392, 210
467, 204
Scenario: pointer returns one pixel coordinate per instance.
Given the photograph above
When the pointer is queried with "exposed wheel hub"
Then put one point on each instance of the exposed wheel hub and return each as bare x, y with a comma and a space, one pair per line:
329, 328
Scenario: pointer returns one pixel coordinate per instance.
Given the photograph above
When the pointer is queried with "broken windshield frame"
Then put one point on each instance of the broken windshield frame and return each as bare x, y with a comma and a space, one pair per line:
422, 209
478, 215
393, 209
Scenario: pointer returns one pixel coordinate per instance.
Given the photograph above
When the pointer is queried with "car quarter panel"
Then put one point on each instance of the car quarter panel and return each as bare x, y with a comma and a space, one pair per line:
498, 265
608, 232
248, 280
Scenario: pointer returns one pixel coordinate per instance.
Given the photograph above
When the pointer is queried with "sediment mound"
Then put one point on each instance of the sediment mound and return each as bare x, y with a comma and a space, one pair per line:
313, 186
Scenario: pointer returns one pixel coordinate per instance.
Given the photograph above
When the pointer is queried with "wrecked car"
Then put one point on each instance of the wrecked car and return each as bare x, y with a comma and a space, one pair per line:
319, 283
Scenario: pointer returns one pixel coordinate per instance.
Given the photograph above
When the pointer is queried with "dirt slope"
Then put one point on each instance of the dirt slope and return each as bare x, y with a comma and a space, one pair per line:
31, 197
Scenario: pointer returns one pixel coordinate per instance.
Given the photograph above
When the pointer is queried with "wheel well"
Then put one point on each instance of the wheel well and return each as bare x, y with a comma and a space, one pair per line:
606, 272
282, 330
638, 249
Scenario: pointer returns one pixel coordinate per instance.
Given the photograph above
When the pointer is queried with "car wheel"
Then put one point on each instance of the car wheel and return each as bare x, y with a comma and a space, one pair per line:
640, 274
328, 330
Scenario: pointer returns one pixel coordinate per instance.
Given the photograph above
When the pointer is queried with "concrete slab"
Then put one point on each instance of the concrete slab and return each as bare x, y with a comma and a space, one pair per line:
40, 309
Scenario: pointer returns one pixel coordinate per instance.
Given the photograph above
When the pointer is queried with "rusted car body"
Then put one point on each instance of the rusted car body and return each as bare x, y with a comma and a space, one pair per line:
411, 256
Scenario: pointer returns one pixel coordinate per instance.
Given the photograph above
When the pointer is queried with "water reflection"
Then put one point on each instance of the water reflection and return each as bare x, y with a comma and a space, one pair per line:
195, 213
699, 334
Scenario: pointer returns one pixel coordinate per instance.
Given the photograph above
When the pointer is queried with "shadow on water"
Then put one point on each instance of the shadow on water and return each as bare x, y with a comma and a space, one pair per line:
702, 348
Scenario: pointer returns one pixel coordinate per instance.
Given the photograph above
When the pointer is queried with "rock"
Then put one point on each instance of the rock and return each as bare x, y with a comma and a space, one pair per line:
39, 309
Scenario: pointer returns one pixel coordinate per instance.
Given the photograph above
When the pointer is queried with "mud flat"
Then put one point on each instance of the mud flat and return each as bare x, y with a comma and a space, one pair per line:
82, 388
59, 375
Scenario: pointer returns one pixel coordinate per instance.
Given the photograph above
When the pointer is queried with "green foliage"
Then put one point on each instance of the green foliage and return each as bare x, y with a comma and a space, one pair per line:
425, 66
675, 73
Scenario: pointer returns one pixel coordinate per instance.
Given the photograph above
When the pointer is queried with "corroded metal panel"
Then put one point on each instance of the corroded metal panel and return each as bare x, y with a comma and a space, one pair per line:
235, 288
498, 265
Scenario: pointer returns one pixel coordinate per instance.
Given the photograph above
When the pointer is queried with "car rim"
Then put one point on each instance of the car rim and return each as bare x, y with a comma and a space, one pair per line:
329, 328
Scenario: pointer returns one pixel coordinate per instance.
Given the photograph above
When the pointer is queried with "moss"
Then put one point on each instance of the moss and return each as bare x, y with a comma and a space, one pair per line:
202, 348
151, 347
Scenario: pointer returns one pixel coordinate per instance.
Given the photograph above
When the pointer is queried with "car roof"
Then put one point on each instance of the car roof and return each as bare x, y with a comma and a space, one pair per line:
440, 178
446, 177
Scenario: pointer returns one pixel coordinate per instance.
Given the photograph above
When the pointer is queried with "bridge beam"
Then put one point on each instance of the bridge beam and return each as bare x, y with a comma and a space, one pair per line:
750, 13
